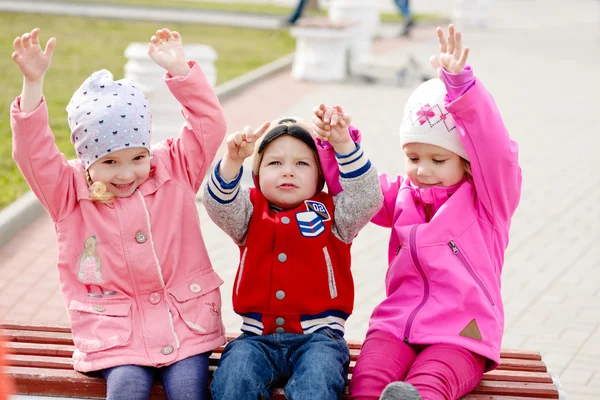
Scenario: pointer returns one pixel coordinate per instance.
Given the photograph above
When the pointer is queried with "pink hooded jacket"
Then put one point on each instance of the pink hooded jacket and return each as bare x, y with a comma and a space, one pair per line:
134, 274
443, 280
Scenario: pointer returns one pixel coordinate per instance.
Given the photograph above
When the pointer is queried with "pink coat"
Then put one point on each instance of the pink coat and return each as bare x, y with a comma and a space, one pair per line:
443, 280
134, 274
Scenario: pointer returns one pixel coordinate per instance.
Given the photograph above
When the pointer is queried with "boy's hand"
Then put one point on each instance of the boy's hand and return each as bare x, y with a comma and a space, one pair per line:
166, 49
332, 124
452, 56
240, 145
28, 54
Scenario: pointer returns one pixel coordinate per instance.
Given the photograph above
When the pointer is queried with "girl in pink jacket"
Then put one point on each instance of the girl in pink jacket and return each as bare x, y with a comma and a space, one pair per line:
440, 326
142, 297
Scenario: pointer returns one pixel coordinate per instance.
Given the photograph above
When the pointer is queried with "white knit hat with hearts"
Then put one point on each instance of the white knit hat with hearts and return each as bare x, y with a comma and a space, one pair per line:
426, 119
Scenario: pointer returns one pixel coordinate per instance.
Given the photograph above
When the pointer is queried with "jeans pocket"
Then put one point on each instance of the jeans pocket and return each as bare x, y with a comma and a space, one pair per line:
100, 325
198, 302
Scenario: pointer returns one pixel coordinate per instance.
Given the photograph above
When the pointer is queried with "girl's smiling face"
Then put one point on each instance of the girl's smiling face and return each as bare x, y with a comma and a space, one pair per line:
122, 171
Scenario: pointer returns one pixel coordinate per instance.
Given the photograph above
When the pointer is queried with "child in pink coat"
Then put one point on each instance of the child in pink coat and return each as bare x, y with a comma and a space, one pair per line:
142, 296
440, 326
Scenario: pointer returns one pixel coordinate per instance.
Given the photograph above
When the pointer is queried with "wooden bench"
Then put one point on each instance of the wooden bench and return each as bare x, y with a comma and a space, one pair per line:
40, 362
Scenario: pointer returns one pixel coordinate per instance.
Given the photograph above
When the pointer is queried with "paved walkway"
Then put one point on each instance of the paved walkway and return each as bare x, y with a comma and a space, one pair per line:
540, 60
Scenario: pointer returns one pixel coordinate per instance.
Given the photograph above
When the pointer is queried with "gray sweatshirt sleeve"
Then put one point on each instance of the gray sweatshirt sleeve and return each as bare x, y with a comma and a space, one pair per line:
228, 205
361, 197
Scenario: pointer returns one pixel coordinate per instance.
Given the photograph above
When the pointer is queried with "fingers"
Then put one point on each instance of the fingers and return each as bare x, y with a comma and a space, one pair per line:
18, 43
165, 35
345, 120
318, 122
319, 110
26, 39
324, 134
329, 111
49, 50
442, 40
259, 132
463, 58
35, 36
458, 45
336, 116
451, 39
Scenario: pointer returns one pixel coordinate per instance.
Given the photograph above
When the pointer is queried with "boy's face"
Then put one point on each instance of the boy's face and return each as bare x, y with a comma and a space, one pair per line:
288, 172
122, 171
428, 165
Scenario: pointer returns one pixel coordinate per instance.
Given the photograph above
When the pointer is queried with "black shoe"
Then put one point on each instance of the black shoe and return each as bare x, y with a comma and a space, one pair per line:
408, 24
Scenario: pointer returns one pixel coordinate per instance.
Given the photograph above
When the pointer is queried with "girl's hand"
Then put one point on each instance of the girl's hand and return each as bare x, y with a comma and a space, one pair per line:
452, 55
240, 145
28, 54
331, 124
166, 49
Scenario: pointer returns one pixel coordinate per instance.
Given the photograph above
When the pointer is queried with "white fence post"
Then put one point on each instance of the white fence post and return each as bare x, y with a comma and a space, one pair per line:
366, 14
166, 115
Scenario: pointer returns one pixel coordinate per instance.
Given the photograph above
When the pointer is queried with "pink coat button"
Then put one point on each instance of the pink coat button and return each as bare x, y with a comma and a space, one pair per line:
154, 298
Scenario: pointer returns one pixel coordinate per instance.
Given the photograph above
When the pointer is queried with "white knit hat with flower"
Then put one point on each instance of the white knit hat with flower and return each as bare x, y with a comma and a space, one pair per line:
426, 119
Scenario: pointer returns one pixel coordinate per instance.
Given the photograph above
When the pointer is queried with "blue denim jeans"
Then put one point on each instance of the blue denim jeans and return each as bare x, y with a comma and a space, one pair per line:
311, 366
185, 379
404, 7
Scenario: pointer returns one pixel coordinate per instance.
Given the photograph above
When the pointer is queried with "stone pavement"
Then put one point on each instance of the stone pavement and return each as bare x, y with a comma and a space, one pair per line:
540, 60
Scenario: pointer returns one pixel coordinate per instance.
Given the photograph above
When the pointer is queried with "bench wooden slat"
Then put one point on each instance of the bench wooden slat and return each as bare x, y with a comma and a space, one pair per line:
513, 364
40, 349
39, 361
493, 397
518, 376
36, 337
536, 390
65, 383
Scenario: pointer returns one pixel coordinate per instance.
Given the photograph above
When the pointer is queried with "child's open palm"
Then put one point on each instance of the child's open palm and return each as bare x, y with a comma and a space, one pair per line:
240, 145
28, 54
166, 49
452, 55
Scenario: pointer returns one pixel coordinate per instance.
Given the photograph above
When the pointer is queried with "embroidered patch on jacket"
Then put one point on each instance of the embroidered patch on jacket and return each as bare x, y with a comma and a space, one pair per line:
472, 331
89, 271
319, 208
310, 224
214, 309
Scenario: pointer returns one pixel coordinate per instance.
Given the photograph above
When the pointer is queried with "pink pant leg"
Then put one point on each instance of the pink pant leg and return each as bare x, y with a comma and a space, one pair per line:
383, 359
445, 372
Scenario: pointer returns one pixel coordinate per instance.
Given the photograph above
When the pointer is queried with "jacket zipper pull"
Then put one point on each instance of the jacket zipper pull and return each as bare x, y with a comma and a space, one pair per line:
453, 247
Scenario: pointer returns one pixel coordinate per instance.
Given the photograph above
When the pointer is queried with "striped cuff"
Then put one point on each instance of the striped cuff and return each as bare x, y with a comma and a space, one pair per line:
354, 164
332, 319
221, 190
252, 323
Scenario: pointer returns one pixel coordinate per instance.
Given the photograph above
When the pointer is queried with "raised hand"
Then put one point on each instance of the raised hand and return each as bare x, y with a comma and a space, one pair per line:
452, 55
166, 49
240, 145
331, 124
28, 55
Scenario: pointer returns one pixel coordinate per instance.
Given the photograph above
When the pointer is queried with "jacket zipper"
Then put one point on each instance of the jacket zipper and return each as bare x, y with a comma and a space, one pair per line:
417, 263
468, 267
392, 262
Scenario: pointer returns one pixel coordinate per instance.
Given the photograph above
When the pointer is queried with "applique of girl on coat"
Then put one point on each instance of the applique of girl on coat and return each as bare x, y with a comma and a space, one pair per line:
90, 270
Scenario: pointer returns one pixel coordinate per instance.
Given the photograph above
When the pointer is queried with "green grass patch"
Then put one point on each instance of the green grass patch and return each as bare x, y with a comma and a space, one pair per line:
251, 8
85, 45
